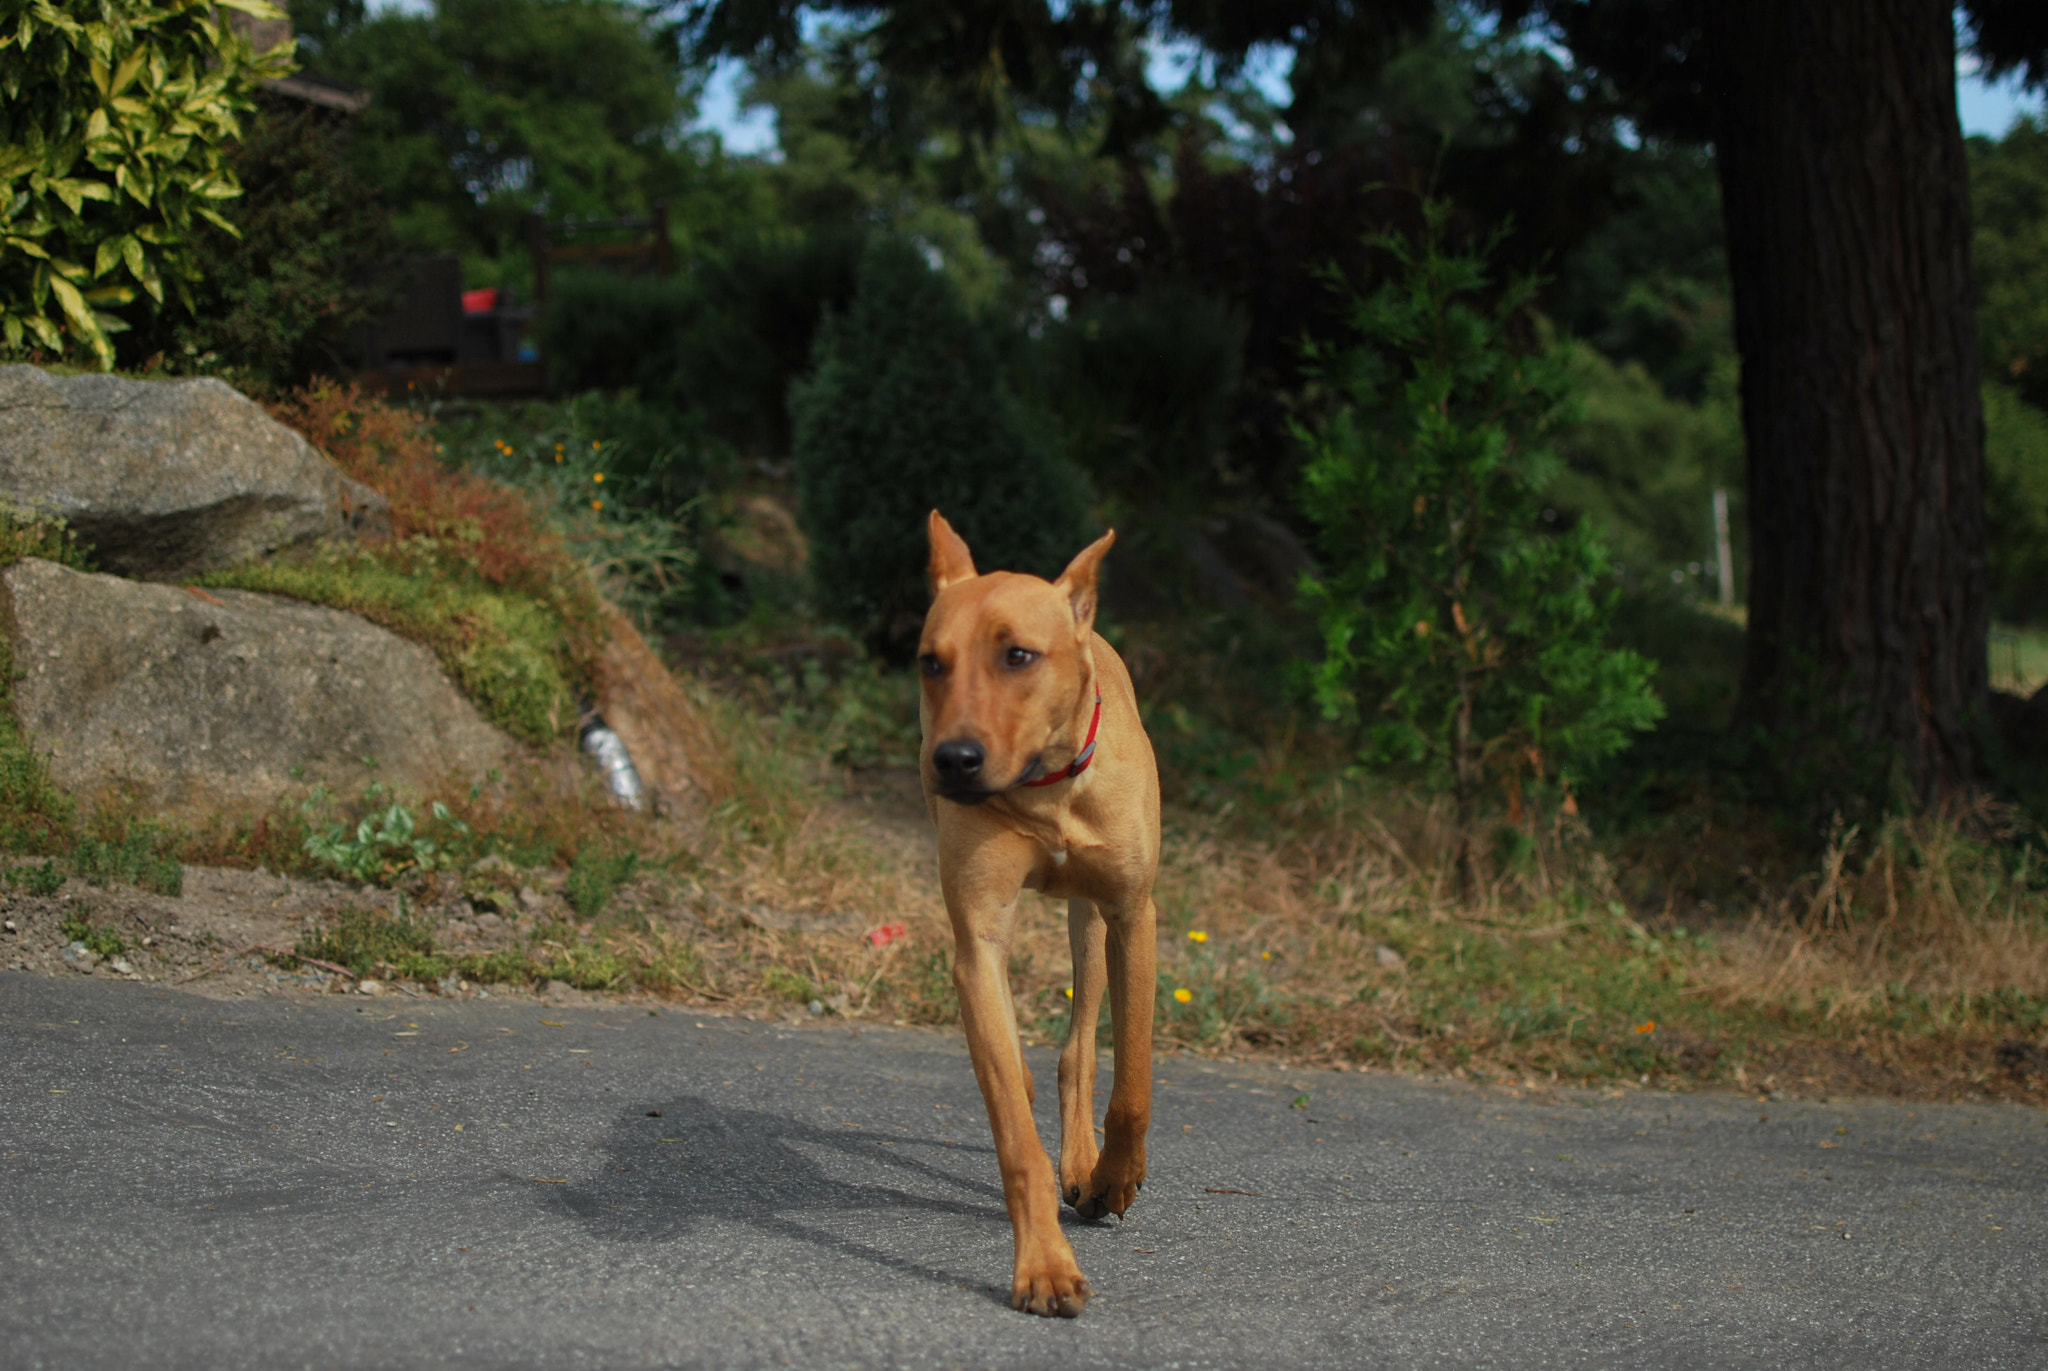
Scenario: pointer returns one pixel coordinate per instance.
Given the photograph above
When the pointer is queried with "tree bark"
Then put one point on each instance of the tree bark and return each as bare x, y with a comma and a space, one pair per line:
1846, 199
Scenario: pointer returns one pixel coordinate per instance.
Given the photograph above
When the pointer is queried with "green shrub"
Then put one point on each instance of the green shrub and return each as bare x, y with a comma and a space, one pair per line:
104, 942
1643, 467
1463, 634
44, 878
1144, 387
626, 483
115, 118
595, 876
280, 303
2016, 505
905, 412
604, 331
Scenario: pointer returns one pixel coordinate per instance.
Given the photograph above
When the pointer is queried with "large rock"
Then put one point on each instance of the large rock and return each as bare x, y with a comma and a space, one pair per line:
167, 479
209, 701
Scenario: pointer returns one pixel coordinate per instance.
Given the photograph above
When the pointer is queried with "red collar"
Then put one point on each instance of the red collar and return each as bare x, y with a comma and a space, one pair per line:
1081, 760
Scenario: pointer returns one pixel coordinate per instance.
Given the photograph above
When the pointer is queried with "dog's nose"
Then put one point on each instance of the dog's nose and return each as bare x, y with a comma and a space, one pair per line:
958, 761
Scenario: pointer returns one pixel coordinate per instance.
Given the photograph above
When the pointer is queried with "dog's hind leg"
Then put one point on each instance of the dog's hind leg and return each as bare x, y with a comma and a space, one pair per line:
1132, 954
1085, 934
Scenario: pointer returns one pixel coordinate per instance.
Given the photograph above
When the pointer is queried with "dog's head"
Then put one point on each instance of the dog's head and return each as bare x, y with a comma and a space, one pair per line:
1005, 662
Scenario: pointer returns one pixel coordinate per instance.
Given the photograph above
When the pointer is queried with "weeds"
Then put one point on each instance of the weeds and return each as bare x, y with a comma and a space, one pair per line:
101, 942
387, 844
44, 878
374, 941
594, 876
133, 859
471, 570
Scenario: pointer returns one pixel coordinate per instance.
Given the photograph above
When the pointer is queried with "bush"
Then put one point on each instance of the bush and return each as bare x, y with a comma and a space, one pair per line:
604, 331
113, 148
1464, 634
1144, 387
1644, 467
2016, 505
905, 412
278, 305
722, 347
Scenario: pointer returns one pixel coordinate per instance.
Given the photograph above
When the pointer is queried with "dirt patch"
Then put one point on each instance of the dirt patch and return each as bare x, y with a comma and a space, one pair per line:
222, 936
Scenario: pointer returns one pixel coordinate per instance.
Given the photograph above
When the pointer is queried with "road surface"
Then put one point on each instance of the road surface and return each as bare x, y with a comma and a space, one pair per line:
345, 1182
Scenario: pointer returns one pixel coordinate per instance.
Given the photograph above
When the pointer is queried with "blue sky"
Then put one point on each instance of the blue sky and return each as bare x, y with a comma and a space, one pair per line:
1985, 107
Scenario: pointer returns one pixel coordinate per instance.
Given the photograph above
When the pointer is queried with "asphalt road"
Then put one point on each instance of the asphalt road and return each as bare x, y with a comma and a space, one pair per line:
374, 1183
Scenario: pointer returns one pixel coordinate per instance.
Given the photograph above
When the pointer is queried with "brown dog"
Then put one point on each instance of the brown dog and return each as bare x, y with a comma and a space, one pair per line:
1039, 776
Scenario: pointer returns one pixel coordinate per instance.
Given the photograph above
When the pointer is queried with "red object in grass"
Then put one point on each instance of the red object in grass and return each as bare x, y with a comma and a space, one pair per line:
479, 301
886, 934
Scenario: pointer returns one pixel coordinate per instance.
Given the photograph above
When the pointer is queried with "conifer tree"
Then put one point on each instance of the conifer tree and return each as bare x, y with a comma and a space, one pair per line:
906, 411
1464, 633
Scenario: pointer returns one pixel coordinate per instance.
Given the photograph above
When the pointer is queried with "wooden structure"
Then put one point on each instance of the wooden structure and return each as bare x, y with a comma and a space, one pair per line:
632, 247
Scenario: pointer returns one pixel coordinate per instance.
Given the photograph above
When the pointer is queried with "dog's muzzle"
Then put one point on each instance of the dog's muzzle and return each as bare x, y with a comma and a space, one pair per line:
958, 763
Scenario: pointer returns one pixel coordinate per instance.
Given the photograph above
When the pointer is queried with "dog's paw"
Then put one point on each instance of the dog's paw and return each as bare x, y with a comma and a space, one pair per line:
1112, 1189
1055, 1292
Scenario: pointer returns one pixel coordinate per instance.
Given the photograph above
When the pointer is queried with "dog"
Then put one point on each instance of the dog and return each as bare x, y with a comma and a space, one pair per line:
1039, 776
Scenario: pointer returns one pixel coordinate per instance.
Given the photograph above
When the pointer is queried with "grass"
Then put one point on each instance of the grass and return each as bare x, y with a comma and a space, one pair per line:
472, 570
501, 648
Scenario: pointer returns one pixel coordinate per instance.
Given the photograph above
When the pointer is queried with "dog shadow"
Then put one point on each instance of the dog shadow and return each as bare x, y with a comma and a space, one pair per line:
699, 1162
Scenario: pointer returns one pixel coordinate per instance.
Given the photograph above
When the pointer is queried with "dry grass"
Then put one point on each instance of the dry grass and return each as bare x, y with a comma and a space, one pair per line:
1903, 962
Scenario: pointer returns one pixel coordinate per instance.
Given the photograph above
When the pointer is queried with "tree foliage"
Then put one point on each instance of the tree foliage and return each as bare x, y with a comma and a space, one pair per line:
484, 110
2009, 207
906, 412
1463, 634
115, 116
276, 304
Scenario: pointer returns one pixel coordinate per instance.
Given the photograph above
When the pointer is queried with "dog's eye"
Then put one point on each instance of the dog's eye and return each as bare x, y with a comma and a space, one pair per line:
930, 665
1019, 656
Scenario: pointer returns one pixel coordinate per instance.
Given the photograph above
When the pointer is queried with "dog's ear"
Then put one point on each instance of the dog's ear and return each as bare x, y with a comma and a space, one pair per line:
1078, 582
951, 561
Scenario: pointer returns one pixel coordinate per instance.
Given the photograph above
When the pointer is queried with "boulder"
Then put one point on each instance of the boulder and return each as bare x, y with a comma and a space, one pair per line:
168, 479
211, 701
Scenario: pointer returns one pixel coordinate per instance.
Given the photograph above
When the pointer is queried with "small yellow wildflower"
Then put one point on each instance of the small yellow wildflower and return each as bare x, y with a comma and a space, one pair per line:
1196, 935
1647, 1026
1183, 994
1070, 992
598, 477
597, 504
1266, 956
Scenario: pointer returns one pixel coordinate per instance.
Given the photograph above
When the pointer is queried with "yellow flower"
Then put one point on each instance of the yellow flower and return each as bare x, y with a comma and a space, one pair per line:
1647, 1026
1183, 994
597, 504
1070, 992
595, 445
1266, 956
599, 476
1196, 935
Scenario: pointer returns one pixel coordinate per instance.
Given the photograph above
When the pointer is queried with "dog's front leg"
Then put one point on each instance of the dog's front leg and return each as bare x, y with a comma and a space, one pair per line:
1133, 952
1045, 1279
1077, 1058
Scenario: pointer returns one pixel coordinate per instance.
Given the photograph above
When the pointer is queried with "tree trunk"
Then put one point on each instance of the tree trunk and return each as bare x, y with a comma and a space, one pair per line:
1847, 205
